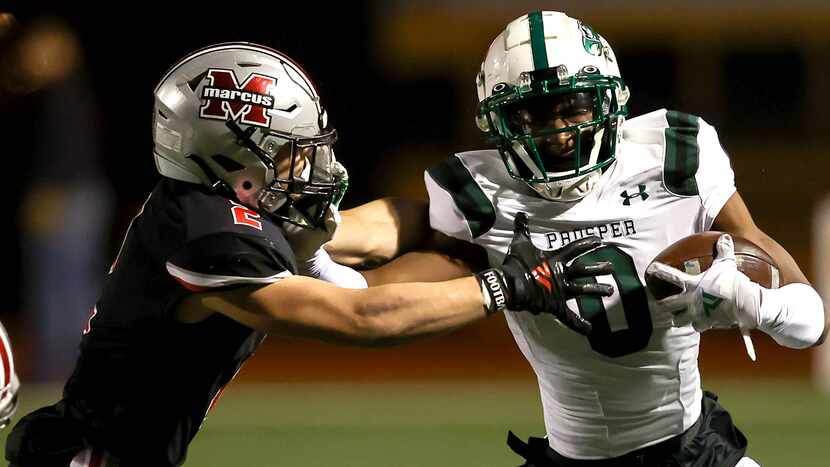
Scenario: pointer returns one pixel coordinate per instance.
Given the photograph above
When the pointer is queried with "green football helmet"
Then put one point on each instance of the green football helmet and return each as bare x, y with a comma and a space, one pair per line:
552, 98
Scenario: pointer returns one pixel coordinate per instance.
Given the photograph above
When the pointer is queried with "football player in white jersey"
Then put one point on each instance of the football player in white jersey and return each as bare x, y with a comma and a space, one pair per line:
552, 100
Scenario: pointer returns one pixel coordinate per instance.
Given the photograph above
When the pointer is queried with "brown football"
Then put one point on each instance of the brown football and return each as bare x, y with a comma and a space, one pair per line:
694, 253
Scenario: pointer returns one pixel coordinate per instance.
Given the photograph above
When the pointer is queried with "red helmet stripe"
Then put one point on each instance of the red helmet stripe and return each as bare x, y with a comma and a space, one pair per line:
5, 357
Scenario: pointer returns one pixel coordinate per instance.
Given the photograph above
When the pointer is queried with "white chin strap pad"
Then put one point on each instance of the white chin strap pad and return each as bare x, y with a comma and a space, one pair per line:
567, 190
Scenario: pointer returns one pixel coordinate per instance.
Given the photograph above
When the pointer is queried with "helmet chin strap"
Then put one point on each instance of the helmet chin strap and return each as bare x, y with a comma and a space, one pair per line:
567, 191
570, 189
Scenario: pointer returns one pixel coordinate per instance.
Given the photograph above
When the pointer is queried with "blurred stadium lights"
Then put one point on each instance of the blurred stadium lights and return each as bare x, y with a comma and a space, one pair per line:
7, 23
39, 54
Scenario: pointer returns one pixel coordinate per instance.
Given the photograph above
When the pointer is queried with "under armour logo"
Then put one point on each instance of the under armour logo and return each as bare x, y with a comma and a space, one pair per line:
710, 302
642, 195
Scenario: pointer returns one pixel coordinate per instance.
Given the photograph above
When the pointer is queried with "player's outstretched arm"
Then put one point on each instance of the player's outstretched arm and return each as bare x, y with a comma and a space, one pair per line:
437, 257
440, 258
529, 280
376, 232
794, 314
385, 315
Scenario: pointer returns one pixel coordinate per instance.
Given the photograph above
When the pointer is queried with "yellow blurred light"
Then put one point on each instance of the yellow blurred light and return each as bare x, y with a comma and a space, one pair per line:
47, 53
7, 24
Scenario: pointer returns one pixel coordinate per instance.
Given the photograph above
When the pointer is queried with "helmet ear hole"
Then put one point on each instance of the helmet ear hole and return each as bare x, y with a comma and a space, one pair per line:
247, 185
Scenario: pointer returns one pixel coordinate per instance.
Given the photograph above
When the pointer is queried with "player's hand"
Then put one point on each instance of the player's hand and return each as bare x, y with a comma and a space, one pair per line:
306, 242
721, 297
542, 281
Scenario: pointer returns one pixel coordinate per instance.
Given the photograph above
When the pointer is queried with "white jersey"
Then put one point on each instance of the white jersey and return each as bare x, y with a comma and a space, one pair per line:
635, 382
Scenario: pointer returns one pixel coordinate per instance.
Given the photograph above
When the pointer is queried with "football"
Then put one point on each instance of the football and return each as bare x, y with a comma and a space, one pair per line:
694, 254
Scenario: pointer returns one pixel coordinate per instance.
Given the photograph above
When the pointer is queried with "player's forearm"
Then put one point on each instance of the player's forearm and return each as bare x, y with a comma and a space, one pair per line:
384, 315
418, 266
793, 315
803, 312
376, 232
787, 267
401, 312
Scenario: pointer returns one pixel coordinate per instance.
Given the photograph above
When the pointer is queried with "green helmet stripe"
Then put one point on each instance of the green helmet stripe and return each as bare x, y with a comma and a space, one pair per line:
682, 154
537, 40
454, 177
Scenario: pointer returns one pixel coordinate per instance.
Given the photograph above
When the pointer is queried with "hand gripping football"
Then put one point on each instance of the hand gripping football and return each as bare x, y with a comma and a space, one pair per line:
694, 254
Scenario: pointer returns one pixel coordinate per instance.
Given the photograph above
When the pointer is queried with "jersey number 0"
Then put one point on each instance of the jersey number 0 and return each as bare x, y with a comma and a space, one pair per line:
633, 301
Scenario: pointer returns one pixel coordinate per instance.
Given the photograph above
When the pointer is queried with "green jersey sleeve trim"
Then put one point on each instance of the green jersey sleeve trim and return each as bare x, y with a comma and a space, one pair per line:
682, 154
454, 177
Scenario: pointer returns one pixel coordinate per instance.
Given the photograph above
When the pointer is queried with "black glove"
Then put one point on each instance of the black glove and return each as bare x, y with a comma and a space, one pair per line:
540, 281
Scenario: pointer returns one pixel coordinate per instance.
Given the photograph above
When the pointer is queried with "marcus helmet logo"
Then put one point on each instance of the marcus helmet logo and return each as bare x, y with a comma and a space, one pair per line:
225, 99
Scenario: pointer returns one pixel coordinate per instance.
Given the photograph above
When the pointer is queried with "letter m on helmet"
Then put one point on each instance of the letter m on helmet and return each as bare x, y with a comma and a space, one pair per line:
224, 98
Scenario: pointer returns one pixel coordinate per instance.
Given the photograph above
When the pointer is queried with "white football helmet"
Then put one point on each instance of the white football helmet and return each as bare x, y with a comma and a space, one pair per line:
550, 94
246, 121
9, 384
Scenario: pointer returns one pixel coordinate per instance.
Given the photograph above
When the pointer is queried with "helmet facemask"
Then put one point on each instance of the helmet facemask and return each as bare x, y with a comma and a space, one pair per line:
305, 178
554, 131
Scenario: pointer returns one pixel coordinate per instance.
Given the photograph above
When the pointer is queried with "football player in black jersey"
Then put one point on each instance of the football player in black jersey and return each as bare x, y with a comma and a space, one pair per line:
205, 270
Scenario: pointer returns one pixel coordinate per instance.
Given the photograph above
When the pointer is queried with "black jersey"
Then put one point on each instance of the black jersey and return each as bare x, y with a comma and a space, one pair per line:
144, 382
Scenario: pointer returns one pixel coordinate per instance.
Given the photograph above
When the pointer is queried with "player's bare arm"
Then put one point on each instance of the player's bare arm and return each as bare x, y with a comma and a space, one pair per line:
529, 280
735, 218
393, 237
376, 232
307, 307
439, 258
371, 235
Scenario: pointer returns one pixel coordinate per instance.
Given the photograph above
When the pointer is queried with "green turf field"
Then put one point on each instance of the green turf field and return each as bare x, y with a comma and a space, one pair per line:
450, 424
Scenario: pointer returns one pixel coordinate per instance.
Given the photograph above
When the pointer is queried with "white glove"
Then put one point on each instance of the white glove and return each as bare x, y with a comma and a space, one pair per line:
305, 242
721, 297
